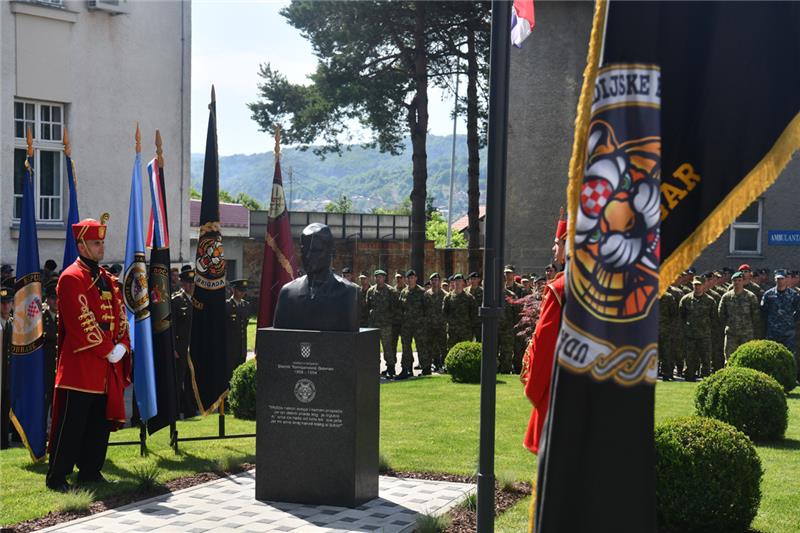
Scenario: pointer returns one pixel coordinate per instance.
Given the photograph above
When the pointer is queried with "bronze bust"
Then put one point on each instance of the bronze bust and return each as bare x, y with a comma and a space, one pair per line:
320, 300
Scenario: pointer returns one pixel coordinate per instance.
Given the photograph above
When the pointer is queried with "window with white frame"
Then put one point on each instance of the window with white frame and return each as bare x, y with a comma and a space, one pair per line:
746, 230
46, 122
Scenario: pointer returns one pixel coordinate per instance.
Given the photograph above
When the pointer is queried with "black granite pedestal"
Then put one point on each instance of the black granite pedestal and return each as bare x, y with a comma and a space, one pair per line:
317, 416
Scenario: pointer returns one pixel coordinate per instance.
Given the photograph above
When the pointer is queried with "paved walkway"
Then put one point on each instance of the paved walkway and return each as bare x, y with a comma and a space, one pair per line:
228, 505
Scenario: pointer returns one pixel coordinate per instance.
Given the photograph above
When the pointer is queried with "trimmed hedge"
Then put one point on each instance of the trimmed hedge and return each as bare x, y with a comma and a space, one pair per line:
708, 476
242, 395
463, 362
770, 357
750, 400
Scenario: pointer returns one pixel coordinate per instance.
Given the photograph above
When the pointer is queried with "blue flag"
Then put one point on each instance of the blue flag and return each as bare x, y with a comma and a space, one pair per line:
137, 302
28, 410
70, 247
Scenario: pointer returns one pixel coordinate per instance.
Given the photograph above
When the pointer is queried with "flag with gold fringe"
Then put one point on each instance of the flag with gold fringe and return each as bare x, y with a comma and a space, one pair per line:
674, 139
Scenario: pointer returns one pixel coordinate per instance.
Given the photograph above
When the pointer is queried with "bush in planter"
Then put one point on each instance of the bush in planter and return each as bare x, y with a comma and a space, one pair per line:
748, 399
463, 362
242, 395
770, 357
708, 476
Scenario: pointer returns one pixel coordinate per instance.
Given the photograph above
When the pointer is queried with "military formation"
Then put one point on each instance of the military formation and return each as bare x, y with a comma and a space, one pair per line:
438, 315
705, 317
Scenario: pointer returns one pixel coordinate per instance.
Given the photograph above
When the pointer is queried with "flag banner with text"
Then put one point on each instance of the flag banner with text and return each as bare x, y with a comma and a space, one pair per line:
26, 365
279, 266
673, 141
207, 352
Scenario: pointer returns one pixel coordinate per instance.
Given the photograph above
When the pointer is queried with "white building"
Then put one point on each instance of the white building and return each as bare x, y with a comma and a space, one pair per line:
95, 67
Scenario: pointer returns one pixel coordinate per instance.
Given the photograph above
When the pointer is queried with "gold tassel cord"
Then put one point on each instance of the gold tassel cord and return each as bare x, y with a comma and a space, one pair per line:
213, 407
758, 180
24, 437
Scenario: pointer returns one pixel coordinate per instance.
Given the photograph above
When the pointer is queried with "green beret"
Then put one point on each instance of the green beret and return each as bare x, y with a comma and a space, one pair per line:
379, 272
737, 275
434, 275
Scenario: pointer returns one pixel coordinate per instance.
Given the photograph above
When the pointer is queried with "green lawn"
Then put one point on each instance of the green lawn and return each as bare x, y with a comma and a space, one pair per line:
427, 424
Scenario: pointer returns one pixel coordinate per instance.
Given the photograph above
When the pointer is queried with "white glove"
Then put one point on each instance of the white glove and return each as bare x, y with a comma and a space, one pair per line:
117, 353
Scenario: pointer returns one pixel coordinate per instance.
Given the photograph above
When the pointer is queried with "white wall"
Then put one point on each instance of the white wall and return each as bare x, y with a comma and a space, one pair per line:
123, 69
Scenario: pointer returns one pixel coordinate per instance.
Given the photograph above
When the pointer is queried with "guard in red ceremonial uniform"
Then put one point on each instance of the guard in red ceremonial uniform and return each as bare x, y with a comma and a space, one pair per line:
537, 366
94, 364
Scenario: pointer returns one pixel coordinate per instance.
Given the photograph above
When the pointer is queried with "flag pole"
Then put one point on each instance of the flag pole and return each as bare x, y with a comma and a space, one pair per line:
493, 256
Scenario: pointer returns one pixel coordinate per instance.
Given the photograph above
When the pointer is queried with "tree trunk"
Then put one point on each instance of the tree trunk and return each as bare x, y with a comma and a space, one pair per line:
473, 166
418, 125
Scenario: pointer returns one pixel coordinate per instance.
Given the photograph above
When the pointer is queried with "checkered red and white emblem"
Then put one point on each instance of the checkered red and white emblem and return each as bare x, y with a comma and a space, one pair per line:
33, 308
594, 196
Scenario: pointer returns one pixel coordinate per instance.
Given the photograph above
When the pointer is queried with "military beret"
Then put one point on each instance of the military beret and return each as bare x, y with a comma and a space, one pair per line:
525, 278
744, 268
434, 275
737, 275
347, 270
727, 270
115, 269
379, 272
6, 295
697, 281
184, 268
691, 270
707, 274
362, 276
427, 283
411, 272
240, 284
508, 268
458, 276
187, 275
474, 275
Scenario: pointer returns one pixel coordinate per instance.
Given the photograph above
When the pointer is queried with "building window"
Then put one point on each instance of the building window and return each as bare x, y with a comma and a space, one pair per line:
46, 122
746, 230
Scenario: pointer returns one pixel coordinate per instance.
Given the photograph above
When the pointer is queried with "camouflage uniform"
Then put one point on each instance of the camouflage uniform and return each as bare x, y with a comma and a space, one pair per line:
477, 294
363, 309
458, 311
759, 325
505, 333
677, 327
782, 309
717, 334
435, 343
697, 314
382, 305
413, 323
667, 334
738, 313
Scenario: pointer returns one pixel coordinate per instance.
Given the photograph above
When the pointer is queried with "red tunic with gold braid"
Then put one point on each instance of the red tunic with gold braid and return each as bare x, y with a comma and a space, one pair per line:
91, 322
538, 364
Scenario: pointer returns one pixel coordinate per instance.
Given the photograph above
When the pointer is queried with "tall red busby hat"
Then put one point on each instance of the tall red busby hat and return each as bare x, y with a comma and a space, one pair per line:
561, 228
89, 229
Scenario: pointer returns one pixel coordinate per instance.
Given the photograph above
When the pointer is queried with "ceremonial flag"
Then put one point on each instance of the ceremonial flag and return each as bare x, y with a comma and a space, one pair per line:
522, 21
160, 298
70, 247
137, 299
279, 266
673, 140
207, 357
26, 367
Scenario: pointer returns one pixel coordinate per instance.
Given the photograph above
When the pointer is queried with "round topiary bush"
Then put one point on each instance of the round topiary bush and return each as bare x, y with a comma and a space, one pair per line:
708, 476
748, 399
771, 358
463, 362
242, 395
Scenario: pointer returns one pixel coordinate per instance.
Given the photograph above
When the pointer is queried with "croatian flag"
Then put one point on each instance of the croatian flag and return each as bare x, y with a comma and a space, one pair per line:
157, 234
522, 21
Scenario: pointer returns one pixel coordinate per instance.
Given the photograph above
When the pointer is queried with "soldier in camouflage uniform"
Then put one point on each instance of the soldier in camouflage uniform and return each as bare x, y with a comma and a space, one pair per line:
476, 291
237, 310
363, 281
435, 343
738, 311
516, 288
667, 335
759, 327
505, 334
697, 311
715, 291
458, 308
399, 285
781, 306
413, 323
382, 305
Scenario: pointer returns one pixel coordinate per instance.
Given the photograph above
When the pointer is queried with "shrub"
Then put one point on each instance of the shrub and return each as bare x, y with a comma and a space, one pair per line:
146, 477
770, 357
748, 399
428, 523
463, 362
708, 476
242, 396
75, 501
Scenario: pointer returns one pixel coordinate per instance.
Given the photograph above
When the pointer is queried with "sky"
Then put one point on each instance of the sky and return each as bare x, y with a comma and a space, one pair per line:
230, 39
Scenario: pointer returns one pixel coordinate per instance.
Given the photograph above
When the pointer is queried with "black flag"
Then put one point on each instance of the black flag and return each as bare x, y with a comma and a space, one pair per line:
160, 293
674, 138
207, 359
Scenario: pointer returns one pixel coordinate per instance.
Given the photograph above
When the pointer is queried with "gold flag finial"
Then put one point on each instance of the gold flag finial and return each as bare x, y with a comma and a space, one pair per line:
277, 140
67, 146
138, 140
29, 138
104, 218
159, 151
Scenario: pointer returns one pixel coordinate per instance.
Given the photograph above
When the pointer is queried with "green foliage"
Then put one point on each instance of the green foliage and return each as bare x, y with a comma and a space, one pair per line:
428, 523
506, 480
463, 362
436, 231
146, 477
750, 400
194, 194
229, 463
343, 205
75, 501
242, 396
225, 196
248, 201
470, 502
708, 476
383, 464
770, 357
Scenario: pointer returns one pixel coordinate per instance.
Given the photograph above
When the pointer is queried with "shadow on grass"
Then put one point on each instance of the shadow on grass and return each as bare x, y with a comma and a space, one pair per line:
37, 468
785, 444
793, 395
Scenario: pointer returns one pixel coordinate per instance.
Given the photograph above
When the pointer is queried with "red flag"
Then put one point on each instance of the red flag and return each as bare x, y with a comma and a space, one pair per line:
279, 265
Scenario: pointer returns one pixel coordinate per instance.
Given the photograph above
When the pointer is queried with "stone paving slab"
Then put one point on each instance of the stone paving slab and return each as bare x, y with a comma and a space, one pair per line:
229, 505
